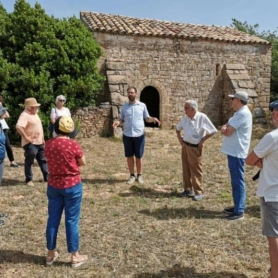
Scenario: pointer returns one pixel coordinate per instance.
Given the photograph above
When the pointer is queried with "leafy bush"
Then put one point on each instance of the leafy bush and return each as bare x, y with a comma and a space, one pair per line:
42, 57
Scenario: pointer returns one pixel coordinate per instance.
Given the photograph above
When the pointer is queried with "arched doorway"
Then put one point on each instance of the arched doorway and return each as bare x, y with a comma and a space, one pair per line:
150, 97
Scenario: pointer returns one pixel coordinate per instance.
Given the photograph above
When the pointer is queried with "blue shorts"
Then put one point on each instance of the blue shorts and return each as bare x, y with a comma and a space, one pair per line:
134, 146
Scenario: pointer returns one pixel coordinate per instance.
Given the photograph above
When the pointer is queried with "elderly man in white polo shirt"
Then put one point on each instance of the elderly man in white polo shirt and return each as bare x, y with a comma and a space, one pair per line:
197, 128
236, 142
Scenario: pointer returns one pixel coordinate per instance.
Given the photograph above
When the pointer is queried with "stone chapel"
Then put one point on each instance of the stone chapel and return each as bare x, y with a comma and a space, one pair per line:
171, 62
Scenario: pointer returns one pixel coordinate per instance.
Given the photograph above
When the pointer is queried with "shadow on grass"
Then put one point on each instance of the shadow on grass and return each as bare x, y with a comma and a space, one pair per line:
11, 182
18, 257
102, 181
253, 211
188, 272
190, 212
148, 193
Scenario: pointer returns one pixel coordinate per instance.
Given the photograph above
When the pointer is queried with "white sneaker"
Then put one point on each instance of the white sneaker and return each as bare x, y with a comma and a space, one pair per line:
131, 180
140, 179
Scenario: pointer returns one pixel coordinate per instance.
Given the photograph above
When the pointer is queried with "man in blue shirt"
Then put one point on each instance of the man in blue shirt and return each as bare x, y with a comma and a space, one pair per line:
133, 114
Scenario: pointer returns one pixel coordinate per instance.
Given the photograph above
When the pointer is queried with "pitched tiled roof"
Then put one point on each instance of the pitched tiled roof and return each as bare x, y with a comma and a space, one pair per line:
116, 24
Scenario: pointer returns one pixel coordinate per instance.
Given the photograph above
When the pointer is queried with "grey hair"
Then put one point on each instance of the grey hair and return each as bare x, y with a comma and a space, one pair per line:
60, 96
193, 104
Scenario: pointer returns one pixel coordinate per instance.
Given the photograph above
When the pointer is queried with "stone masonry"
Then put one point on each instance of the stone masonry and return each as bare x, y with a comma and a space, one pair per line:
93, 121
179, 68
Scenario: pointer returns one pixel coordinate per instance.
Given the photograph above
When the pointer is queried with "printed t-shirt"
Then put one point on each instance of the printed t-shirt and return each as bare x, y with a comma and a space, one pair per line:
62, 155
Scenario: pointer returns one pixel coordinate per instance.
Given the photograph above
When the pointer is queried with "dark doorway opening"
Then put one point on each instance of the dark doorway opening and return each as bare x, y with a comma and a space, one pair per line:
150, 97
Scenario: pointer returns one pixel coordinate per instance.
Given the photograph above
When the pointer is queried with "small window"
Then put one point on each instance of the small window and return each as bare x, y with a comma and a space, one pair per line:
217, 71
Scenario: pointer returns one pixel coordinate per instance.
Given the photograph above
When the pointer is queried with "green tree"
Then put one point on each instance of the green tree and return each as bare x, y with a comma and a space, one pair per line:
273, 39
42, 57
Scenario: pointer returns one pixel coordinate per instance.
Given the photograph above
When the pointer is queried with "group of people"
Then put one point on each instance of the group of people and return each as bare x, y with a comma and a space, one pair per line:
197, 128
60, 158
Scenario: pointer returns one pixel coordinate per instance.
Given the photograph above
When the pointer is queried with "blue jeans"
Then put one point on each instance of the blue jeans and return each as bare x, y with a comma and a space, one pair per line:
31, 153
69, 199
236, 167
2, 168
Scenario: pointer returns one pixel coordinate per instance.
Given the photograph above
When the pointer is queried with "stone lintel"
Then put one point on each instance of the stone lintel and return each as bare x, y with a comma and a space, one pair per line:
239, 76
235, 67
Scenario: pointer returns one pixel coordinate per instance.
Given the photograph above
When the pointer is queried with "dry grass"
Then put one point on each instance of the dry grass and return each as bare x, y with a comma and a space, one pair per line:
137, 231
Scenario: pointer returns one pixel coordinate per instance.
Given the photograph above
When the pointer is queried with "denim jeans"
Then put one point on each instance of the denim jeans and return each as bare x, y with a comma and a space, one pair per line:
32, 152
236, 167
2, 168
69, 199
8, 146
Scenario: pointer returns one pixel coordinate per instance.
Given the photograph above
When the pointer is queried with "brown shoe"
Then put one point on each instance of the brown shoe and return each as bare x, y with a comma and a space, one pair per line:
30, 183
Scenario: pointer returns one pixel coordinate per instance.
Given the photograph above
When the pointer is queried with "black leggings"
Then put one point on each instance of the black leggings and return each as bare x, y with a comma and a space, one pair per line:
8, 146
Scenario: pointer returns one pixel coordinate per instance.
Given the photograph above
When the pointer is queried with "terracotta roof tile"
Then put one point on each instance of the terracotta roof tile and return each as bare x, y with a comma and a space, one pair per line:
100, 22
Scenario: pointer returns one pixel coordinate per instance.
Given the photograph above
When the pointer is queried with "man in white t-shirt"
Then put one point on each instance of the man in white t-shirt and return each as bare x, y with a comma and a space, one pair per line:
236, 142
197, 128
265, 156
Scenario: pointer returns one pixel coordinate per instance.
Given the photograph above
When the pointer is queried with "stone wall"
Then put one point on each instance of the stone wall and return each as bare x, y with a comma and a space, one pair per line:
180, 69
93, 121
236, 78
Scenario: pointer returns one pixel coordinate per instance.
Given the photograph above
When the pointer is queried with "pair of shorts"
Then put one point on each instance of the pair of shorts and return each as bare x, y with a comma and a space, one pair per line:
269, 214
134, 146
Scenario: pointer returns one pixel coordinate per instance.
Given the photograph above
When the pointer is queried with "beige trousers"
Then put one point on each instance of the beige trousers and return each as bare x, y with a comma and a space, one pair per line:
192, 168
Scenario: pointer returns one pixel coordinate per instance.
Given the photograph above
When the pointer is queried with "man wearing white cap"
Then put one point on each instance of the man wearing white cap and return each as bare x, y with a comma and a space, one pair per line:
29, 126
236, 142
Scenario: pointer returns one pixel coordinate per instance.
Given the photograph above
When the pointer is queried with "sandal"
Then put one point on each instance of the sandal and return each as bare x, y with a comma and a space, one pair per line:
75, 264
51, 260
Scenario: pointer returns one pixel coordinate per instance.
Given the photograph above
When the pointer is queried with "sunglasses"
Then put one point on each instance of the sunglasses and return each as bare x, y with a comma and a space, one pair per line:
62, 100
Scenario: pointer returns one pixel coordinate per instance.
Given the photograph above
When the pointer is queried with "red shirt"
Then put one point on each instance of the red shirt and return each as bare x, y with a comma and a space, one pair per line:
62, 155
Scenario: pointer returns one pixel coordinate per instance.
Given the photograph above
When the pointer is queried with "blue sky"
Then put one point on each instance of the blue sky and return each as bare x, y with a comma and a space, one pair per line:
208, 12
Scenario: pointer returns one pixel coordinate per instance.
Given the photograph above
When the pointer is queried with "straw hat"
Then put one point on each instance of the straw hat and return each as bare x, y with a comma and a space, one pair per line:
31, 102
